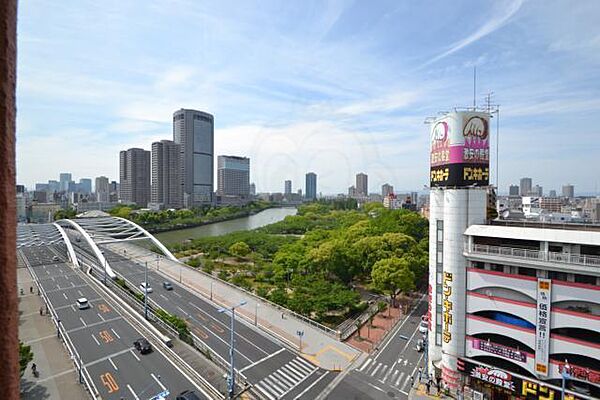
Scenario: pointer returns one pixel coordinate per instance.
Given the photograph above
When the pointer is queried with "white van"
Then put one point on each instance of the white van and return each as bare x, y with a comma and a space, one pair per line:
83, 303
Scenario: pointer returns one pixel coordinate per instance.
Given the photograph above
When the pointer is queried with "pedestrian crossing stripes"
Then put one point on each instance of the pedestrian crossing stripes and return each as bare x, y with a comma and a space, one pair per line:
280, 382
386, 374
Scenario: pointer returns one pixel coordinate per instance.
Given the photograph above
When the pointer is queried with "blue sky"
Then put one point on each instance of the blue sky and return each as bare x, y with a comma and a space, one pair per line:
336, 87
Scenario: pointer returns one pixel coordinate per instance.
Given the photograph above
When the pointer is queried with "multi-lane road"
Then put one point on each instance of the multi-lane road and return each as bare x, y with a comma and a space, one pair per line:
101, 335
274, 370
386, 374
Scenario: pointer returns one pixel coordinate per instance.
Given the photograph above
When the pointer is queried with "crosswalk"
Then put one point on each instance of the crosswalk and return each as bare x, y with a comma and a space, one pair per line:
280, 382
387, 374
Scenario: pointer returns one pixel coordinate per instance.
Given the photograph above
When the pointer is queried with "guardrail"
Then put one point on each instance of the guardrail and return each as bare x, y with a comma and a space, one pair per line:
329, 331
84, 376
535, 255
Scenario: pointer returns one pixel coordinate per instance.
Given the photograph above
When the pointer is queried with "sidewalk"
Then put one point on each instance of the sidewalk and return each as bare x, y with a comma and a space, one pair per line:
370, 337
419, 392
317, 346
57, 376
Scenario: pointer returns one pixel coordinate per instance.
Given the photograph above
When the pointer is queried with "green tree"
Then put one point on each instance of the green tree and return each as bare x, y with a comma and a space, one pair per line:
25, 356
393, 276
239, 249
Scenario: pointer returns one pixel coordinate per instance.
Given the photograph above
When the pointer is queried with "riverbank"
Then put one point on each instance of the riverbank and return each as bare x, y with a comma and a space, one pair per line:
251, 221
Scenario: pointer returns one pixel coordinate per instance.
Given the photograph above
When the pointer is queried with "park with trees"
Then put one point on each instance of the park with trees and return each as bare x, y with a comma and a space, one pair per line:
315, 262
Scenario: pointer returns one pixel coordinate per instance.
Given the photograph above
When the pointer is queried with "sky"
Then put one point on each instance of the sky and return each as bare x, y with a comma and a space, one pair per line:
334, 87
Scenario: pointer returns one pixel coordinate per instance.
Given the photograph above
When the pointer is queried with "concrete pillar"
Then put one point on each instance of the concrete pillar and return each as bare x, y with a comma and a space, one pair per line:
9, 344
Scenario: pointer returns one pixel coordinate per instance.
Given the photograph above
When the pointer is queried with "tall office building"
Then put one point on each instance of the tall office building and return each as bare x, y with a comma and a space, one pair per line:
134, 173
311, 186
537, 190
194, 131
387, 189
233, 176
65, 178
568, 191
525, 186
166, 174
287, 188
362, 184
85, 185
102, 189
513, 190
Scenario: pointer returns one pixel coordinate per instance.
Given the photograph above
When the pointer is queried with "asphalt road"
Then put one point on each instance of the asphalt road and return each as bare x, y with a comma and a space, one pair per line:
102, 337
387, 373
274, 371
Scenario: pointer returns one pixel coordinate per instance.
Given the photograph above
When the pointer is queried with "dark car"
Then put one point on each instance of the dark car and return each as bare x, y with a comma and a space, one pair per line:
168, 285
143, 346
188, 395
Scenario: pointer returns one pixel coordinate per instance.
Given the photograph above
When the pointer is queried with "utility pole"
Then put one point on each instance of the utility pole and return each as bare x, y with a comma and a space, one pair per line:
146, 291
231, 377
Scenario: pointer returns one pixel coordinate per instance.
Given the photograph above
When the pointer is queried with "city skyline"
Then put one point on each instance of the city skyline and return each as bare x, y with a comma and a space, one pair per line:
350, 95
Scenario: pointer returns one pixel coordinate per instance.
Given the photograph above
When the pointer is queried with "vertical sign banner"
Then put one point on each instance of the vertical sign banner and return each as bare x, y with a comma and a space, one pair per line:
542, 329
447, 307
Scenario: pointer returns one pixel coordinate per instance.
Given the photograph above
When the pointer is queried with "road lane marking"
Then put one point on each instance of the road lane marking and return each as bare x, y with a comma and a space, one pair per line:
158, 381
266, 391
113, 364
381, 351
65, 295
177, 294
135, 355
96, 340
387, 375
376, 369
217, 328
311, 385
367, 362
116, 334
399, 378
384, 369
132, 392
247, 367
82, 321
183, 311
100, 316
164, 297
202, 317
406, 381
201, 333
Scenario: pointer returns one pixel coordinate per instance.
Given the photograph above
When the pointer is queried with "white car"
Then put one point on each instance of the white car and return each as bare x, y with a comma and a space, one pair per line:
83, 303
145, 287
423, 327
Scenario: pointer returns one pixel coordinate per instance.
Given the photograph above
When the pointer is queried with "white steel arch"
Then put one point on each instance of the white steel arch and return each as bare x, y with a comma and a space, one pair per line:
93, 245
70, 249
154, 240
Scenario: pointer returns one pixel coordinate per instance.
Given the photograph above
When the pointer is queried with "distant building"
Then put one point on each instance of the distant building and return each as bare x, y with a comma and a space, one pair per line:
537, 190
362, 185
513, 190
85, 186
568, 191
166, 175
20, 189
390, 201
414, 198
287, 188
113, 192
40, 196
525, 186
552, 193
21, 204
352, 192
194, 131
252, 189
43, 213
311, 186
386, 189
65, 178
134, 174
233, 176
552, 204
52, 186
41, 187
102, 189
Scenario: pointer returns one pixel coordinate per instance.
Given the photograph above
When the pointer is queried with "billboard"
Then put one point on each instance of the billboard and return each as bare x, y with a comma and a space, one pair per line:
460, 150
542, 329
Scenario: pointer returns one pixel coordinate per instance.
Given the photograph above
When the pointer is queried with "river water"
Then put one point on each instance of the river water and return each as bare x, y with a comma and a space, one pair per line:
263, 218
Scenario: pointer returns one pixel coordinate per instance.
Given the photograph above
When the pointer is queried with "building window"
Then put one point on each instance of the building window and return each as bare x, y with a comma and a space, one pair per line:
439, 269
557, 276
527, 271
497, 267
478, 265
591, 280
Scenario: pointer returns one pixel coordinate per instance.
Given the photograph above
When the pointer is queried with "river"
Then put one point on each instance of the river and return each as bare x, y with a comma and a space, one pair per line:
266, 217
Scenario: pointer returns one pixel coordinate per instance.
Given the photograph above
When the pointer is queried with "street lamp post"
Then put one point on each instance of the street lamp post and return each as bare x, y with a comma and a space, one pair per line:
231, 377
255, 313
146, 290
565, 374
426, 349
211, 290
300, 334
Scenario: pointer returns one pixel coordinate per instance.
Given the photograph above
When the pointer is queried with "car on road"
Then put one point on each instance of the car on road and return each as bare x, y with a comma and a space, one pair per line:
167, 285
420, 345
423, 326
145, 287
83, 303
188, 395
143, 346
